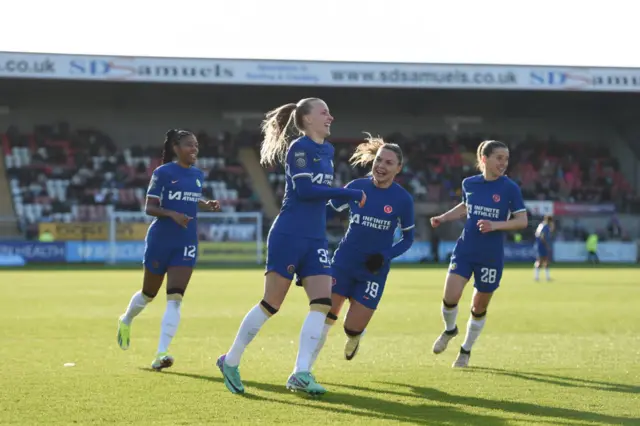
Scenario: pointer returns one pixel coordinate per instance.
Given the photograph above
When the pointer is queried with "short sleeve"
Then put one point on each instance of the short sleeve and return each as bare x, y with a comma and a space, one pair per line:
156, 185
516, 203
407, 217
463, 194
298, 164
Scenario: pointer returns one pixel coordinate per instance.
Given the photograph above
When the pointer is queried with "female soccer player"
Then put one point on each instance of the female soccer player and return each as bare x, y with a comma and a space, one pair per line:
361, 262
297, 242
171, 245
543, 247
488, 200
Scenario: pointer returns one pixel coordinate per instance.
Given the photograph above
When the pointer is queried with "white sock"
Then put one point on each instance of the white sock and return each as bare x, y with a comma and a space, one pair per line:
537, 273
546, 273
250, 326
136, 305
474, 327
323, 339
449, 316
310, 336
169, 325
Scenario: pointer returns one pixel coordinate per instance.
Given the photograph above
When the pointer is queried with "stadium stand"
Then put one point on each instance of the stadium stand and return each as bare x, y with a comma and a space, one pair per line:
61, 174
64, 175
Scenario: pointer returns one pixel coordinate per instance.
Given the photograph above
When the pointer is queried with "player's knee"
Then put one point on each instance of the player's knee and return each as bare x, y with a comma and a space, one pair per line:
449, 305
321, 305
148, 297
352, 333
331, 318
268, 309
175, 294
478, 315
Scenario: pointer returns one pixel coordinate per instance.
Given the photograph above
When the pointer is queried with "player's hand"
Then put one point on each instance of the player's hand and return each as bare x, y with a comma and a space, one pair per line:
181, 219
213, 205
436, 221
363, 200
374, 262
485, 226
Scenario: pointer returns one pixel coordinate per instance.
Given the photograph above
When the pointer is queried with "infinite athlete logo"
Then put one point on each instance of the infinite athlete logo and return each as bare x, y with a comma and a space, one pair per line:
496, 198
388, 209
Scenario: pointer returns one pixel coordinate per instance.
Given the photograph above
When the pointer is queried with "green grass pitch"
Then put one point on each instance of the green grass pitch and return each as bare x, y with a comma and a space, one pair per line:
559, 353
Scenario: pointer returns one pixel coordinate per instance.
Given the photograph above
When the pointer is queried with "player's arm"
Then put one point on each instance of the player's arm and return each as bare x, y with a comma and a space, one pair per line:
210, 205
407, 226
519, 221
335, 206
297, 167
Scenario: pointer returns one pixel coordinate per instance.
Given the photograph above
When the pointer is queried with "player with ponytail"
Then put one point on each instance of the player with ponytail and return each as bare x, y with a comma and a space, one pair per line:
297, 242
171, 245
362, 261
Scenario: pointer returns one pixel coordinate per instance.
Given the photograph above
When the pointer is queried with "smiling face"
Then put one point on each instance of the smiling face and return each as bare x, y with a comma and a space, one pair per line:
186, 150
386, 167
317, 121
496, 163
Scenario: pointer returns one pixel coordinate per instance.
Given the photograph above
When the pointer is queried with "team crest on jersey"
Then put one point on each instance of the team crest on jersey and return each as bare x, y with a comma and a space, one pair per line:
388, 209
198, 183
496, 198
291, 269
301, 159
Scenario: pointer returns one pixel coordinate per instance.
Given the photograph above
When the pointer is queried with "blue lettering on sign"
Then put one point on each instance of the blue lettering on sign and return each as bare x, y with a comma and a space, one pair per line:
100, 251
34, 251
559, 79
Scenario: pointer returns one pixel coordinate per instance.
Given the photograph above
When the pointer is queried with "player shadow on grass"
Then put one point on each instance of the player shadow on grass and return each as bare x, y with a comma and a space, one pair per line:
554, 379
522, 408
363, 406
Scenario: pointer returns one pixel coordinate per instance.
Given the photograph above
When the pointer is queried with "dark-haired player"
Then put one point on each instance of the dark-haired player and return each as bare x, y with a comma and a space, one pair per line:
488, 200
171, 245
362, 260
543, 247
297, 242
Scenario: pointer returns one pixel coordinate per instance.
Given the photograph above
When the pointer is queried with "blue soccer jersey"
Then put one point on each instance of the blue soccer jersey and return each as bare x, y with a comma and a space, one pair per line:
483, 254
300, 216
371, 231
167, 243
297, 241
543, 239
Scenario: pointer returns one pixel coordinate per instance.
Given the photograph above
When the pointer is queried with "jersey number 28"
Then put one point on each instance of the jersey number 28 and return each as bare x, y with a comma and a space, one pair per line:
488, 275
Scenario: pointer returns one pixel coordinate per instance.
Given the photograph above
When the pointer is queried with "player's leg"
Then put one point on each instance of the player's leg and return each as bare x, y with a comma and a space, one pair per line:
366, 295
340, 291
487, 280
536, 268
154, 270
178, 278
458, 275
544, 262
282, 258
315, 271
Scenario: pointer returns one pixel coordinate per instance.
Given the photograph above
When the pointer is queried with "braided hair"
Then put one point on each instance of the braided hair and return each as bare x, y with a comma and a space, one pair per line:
173, 137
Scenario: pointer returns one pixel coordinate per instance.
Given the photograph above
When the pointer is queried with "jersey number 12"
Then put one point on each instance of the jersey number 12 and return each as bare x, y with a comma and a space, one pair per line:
190, 251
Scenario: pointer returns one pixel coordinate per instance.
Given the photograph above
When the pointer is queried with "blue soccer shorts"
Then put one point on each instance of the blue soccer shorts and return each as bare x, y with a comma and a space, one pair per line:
486, 276
160, 257
288, 255
360, 285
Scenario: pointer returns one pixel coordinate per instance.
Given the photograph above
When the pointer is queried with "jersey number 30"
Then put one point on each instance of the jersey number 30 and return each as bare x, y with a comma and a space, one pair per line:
488, 275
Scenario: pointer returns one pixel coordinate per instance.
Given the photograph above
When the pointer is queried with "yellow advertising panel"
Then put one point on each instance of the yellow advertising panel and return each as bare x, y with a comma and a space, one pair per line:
93, 231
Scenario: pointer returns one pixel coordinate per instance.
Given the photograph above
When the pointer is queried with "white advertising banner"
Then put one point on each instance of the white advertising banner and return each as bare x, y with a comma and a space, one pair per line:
608, 252
307, 73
